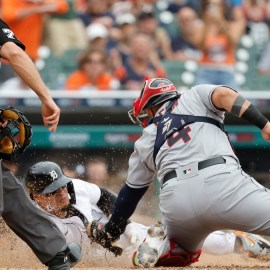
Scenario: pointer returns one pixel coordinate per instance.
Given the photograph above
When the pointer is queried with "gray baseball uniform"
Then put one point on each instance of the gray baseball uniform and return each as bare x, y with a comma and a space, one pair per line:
199, 199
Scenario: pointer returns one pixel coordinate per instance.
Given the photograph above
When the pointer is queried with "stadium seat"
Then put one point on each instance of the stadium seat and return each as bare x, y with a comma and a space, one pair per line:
49, 68
69, 61
178, 74
248, 53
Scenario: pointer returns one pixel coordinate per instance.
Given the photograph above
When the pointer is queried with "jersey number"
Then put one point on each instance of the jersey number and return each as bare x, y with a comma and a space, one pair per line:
182, 134
9, 33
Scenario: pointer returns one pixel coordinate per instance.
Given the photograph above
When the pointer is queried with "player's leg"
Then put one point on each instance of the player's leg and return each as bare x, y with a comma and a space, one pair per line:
238, 202
74, 231
158, 250
219, 243
33, 225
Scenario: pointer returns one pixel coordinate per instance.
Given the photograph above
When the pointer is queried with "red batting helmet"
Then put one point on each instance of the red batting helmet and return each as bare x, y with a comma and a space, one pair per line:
155, 91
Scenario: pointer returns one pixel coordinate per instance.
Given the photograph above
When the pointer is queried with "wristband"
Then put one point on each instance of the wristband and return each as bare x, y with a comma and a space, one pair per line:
254, 116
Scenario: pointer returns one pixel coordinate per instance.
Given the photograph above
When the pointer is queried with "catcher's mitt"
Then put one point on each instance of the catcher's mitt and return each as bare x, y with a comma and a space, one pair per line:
96, 232
15, 133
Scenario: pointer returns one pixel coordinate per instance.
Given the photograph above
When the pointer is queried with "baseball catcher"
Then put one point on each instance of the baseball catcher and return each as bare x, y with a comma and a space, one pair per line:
15, 133
203, 187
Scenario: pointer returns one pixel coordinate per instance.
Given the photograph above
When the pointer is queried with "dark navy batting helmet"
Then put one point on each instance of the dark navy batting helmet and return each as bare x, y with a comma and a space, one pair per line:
46, 177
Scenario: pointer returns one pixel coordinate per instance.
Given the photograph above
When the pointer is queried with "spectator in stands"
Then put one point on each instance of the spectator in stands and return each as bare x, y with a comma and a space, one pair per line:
26, 18
235, 13
257, 16
98, 37
80, 5
185, 44
118, 8
127, 27
92, 73
65, 31
97, 172
217, 41
143, 5
148, 24
97, 12
138, 65
233, 9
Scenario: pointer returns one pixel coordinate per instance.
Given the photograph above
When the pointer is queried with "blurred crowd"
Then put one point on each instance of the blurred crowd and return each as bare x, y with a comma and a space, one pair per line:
114, 44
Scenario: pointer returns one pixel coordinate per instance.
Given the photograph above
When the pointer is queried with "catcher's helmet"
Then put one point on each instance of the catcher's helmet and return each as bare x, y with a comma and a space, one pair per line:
155, 91
46, 177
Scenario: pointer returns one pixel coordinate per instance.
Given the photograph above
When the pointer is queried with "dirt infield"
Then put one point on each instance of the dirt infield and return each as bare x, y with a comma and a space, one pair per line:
15, 254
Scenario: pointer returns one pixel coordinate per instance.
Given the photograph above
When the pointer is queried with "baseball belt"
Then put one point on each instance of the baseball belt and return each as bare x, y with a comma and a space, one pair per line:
201, 165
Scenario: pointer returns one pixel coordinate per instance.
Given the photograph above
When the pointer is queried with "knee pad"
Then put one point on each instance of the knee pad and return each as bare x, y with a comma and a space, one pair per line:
66, 259
177, 256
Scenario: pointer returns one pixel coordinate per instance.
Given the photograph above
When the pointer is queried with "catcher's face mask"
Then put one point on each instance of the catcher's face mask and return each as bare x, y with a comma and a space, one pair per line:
154, 92
15, 133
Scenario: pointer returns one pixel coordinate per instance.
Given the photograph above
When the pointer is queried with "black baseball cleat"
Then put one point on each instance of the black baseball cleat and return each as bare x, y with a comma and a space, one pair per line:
64, 260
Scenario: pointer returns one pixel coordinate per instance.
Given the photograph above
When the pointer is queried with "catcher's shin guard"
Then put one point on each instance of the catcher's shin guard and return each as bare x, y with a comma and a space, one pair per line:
177, 256
66, 259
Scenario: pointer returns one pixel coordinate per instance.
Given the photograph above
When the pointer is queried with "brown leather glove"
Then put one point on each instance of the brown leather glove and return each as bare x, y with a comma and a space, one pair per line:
15, 133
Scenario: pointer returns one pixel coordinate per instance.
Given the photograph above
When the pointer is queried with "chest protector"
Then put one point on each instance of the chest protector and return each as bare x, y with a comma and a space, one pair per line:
170, 123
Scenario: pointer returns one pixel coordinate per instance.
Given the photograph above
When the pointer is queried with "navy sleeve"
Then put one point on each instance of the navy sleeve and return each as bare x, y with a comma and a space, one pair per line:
125, 205
106, 202
6, 35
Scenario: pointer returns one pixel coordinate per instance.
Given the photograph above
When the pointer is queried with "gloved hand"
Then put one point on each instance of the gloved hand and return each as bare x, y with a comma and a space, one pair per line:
97, 233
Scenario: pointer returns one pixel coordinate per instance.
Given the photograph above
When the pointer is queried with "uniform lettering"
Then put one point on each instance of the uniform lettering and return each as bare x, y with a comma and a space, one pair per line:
9, 33
53, 175
183, 134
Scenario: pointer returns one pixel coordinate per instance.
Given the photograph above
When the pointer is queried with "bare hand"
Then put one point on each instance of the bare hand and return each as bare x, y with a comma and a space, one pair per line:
50, 114
266, 132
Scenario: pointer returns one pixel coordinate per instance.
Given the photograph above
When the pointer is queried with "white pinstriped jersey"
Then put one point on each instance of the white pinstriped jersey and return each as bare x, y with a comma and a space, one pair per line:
200, 141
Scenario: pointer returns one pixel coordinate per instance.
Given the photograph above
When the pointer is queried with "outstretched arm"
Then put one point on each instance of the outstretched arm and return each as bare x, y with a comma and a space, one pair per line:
125, 206
25, 68
232, 102
106, 201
